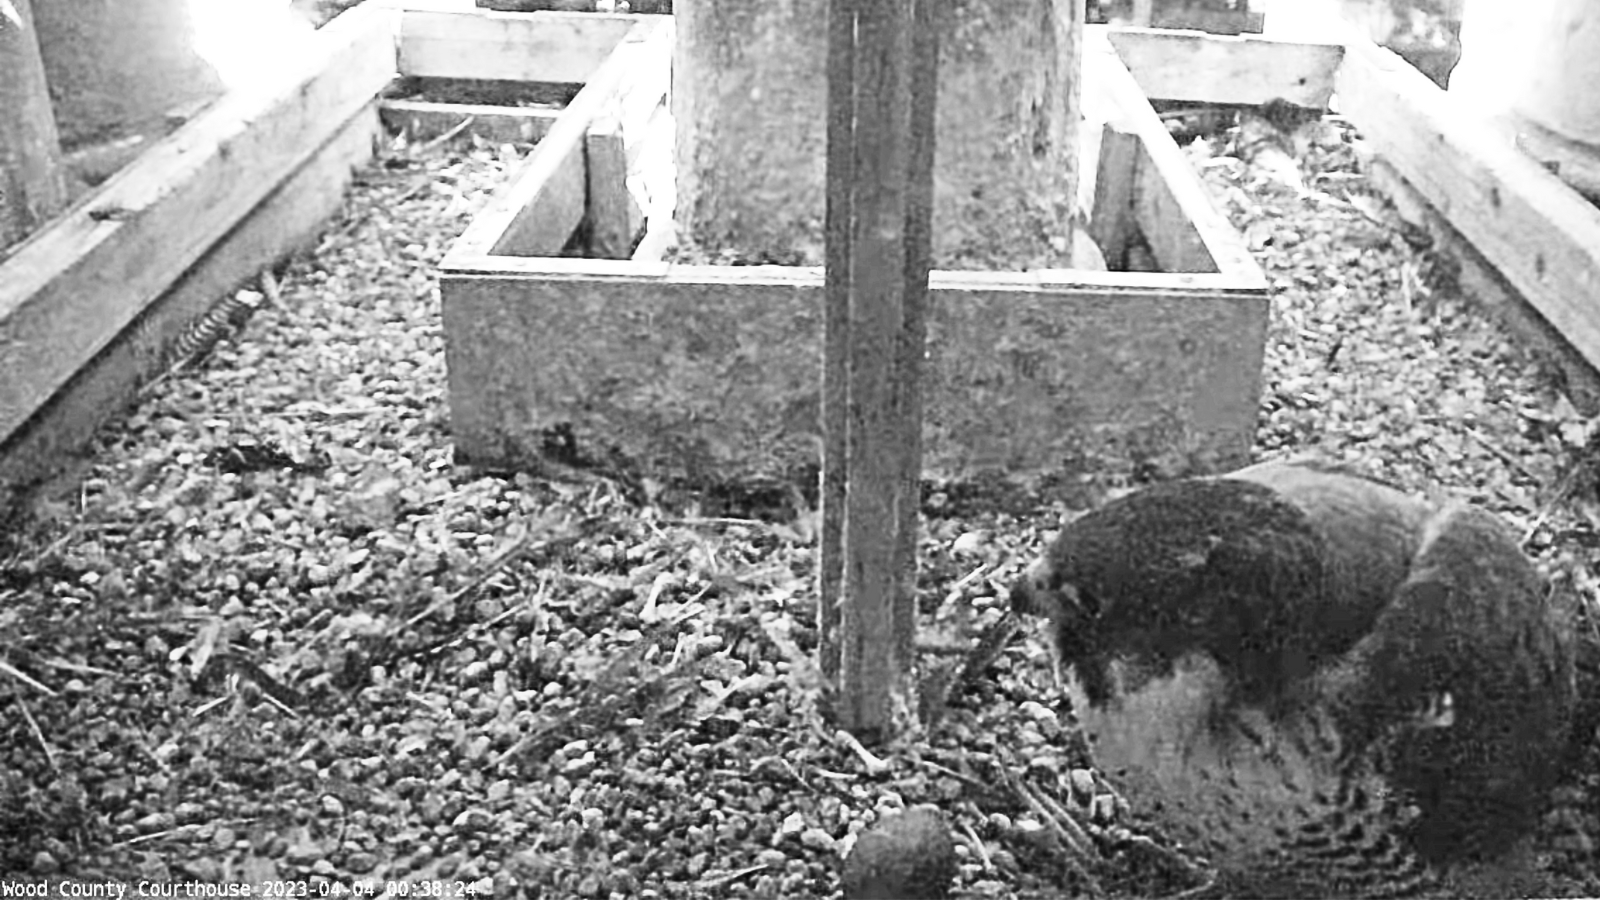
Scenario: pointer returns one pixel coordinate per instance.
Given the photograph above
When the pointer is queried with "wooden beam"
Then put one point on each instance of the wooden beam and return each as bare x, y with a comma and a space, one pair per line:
1155, 284
612, 214
538, 5
1574, 161
1216, 21
537, 212
635, 116
640, 97
1111, 217
422, 120
1538, 232
1173, 210
554, 186
543, 46
68, 290
1248, 71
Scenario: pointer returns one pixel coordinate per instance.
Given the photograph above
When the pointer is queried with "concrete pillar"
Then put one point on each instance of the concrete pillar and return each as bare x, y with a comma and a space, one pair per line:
749, 101
120, 67
1534, 68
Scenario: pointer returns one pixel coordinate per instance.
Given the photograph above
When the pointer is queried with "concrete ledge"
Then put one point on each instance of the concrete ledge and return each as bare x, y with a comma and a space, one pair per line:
699, 372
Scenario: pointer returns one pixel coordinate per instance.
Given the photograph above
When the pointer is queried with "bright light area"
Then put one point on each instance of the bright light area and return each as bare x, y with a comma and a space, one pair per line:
248, 42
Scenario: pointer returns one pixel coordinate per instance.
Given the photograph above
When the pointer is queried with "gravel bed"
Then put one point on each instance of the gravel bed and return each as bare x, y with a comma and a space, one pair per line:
275, 634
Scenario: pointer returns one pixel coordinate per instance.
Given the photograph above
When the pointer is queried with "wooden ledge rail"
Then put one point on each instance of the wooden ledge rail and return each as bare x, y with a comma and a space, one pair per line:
1538, 232
67, 291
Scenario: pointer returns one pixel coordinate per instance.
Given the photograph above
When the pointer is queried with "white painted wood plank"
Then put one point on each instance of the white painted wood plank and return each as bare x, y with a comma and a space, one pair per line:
1205, 68
540, 46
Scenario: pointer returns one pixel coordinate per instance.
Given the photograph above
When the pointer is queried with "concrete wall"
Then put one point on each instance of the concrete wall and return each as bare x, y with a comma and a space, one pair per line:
118, 67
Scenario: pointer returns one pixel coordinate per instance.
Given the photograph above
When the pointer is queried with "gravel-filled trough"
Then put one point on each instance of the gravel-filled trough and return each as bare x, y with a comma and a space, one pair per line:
96, 302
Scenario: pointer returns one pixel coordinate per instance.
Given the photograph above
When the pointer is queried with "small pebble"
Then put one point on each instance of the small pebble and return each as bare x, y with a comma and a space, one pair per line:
45, 864
968, 544
472, 819
1082, 784
817, 839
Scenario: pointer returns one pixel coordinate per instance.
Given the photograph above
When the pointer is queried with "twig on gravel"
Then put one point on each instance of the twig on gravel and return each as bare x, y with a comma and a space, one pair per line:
476, 628
271, 290
71, 535
991, 643
716, 520
1505, 457
948, 772
875, 766
1055, 816
8, 669
977, 846
968, 578
939, 686
836, 776
490, 568
280, 705
770, 763
1076, 850
1563, 490
80, 668
38, 735
208, 706
136, 840
445, 138
726, 878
